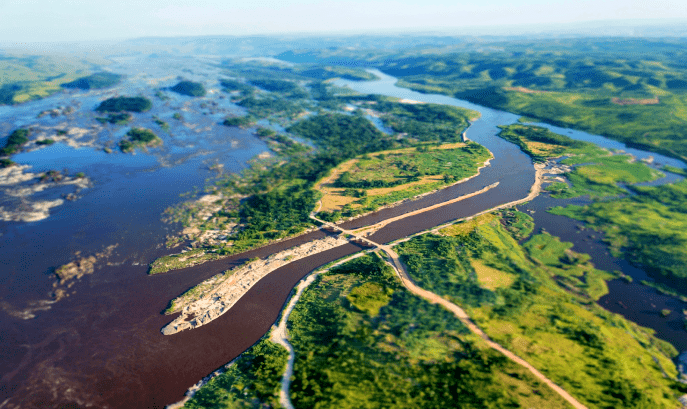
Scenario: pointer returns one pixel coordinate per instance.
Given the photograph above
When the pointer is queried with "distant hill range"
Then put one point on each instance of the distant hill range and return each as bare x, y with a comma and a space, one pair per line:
97, 80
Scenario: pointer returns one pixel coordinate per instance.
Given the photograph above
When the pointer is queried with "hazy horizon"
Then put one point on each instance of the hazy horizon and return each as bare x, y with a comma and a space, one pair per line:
43, 21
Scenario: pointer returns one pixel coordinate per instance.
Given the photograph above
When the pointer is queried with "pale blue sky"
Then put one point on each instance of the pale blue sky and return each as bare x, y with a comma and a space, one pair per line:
79, 20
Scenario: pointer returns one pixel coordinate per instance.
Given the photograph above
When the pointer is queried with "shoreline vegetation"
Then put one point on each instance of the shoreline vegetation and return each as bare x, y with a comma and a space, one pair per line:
653, 238
385, 179
139, 138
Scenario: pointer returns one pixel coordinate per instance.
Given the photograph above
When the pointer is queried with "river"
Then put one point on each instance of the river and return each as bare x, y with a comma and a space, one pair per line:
102, 347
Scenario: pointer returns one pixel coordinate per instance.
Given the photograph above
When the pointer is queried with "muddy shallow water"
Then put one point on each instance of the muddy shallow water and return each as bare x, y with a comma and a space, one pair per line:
101, 346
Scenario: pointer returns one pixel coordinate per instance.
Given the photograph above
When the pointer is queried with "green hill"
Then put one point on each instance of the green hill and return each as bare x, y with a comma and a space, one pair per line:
97, 80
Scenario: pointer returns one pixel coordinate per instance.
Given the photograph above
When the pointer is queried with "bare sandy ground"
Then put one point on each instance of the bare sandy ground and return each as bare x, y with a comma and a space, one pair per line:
218, 294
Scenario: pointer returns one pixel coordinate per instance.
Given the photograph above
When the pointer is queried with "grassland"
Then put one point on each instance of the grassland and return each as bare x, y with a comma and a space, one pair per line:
537, 299
381, 178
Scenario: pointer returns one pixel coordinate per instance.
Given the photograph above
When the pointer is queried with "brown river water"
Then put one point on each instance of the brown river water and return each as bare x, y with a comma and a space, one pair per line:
102, 346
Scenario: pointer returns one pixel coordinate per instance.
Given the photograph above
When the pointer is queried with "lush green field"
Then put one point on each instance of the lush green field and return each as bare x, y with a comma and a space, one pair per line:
542, 309
398, 168
437, 157
370, 181
362, 341
542, 144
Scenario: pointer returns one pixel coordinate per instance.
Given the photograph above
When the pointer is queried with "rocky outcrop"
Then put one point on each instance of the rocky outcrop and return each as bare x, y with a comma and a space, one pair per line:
217, 295
17, 192
681, 364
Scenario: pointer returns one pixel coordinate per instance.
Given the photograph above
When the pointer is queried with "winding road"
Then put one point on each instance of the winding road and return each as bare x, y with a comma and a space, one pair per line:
280, 333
